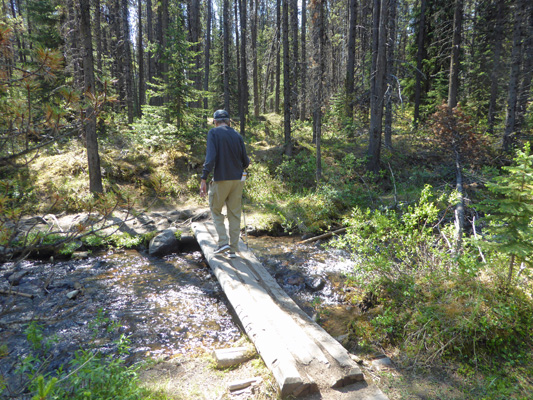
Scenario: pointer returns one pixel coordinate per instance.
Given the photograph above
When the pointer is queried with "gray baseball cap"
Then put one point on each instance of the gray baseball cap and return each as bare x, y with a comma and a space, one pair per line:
221, 114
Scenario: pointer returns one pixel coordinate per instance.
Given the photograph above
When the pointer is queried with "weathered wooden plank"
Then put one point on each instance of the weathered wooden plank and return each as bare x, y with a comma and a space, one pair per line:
300, 354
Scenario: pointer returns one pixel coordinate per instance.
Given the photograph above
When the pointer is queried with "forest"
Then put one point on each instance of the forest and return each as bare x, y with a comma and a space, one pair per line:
407, 123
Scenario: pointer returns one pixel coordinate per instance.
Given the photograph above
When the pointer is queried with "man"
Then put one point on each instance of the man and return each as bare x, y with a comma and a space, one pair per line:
225, 153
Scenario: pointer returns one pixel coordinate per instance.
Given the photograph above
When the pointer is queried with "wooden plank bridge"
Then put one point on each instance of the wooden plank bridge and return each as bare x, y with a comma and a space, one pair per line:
303, 358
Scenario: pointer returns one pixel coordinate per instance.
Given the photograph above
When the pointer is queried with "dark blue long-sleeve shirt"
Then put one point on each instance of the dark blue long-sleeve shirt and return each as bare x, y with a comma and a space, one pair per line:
225, 153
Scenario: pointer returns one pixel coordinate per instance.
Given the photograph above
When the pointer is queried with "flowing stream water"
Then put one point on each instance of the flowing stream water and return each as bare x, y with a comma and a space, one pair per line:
165, 306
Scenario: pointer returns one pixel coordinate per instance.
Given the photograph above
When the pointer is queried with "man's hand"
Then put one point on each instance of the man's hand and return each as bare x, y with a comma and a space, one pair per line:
203, 188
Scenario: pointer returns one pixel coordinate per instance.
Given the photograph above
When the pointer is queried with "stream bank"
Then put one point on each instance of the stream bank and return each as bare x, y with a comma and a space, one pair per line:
170, 308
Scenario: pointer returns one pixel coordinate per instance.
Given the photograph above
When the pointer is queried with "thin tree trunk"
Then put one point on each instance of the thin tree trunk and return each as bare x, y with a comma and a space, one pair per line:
496, 65
93, 158
140, 57
255, 71
421, 38
391, 48
350, 63
98, 34
127, 59
238, 48
278, 59
317, 32
286, 81
207, 50
150, 38
227, 34
244, 69
453, 85
527, 69
513, 79
294, 62
303, 86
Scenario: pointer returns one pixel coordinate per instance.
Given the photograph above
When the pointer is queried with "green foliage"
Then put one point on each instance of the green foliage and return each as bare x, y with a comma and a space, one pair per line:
153, 130
298, 172
510, 212
89, 375
392, 244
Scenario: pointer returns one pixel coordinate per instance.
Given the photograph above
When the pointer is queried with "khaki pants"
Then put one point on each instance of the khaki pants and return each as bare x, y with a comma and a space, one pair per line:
227, 193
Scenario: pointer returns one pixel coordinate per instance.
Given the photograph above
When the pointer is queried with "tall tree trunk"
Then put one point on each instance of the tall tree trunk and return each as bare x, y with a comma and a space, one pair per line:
207, 50
496, 64
294, 63
244, 67
140, 60
127, 59
150, 37
420, 55
379, 44
98, 34
389, 78
317, 33
238, 47
227, 35
350, 63
93, 158
286, 81
453, 85
194, 38
514, 76
278, 58
255, 71
527, 68
303, 80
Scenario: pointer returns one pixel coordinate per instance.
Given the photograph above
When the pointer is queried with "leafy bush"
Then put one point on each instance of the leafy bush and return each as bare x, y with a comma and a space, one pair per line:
89, 375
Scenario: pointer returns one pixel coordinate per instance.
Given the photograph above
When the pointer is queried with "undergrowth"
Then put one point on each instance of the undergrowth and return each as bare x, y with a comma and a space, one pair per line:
89, 374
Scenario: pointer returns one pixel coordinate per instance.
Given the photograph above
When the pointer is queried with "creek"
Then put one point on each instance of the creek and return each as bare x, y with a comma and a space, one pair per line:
166, 307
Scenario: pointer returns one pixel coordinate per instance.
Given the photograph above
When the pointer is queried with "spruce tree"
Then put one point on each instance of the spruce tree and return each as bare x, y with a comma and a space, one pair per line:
510, 213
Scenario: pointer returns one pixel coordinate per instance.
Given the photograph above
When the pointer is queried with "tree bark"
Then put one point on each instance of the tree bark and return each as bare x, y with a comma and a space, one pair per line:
527, 68
294, 62
98, 34
453, 85
389, 77
140, 61
286, 81
127, 59
93, 158
255, 71
420, 55
514, 75
207, 50
496, 64
303, 68
244, 67
278, 58
350, 63
379, 38
227, 35
317, 29
150, 37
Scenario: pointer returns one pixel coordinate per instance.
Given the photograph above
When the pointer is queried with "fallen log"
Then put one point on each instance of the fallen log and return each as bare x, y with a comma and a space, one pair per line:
323, 236
302, 356
229, 357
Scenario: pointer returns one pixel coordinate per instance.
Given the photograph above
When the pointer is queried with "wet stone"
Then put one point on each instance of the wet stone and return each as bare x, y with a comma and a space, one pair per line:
316, 284
15, 278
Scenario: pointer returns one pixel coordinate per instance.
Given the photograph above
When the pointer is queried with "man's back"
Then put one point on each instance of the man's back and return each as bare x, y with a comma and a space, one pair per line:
226, 153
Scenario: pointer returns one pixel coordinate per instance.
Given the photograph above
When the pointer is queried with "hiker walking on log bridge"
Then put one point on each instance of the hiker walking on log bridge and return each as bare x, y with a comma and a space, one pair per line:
226, 154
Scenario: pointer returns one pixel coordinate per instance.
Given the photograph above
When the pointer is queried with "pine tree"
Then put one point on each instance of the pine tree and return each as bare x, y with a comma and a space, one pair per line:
510, 214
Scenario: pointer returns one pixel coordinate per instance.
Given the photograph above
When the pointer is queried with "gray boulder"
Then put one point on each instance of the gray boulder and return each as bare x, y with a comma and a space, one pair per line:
165, 243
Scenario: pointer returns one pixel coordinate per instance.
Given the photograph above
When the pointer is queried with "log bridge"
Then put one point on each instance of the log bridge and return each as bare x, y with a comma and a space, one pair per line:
302, 356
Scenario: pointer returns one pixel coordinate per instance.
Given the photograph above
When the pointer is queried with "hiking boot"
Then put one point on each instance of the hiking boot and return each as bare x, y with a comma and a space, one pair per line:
222, 249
